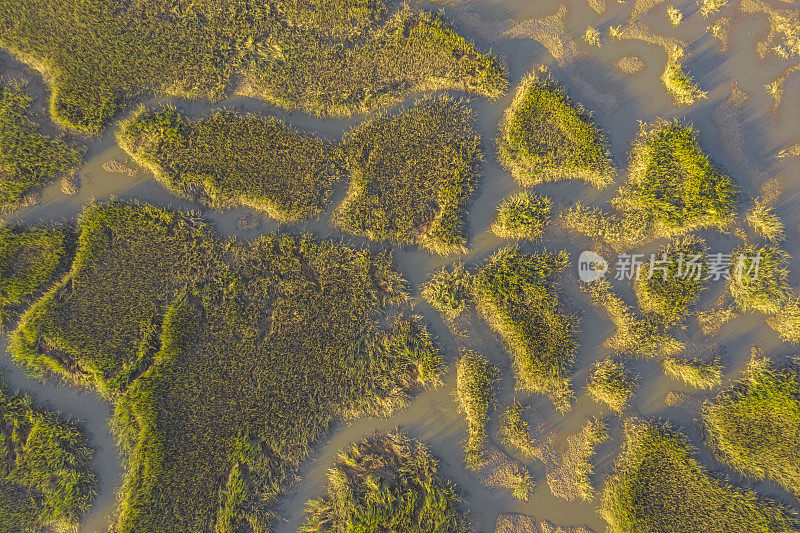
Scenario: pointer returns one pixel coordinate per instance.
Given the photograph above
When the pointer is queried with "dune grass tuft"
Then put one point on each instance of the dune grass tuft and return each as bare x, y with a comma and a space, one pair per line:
515, 431
569, 480
693, 372
29, 160
517, 295
387, 482
659, 487
611, 383
46, 477
476, 381
754, 426
412, 175
678, 83
326, 57
544, 136
450, 291
522, 216
759, 278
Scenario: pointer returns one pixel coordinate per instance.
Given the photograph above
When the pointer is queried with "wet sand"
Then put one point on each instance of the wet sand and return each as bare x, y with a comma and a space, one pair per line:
743, 140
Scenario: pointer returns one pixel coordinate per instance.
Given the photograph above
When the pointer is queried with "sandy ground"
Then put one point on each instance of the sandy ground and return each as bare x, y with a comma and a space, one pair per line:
742, 135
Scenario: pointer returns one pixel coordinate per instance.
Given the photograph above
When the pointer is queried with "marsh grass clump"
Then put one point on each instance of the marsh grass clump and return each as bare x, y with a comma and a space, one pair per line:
326, 57
412, 175
522, 216
693, 372
475, 393
678, 83
787, 321
592, 36
659, 487
709, 7
544, 136
569, 479
672, 183
226, 159
754, 426
610, 382
672, 281
29, 160
613, 230
759, 278
29, 259
449, 291
515, 477
763, 219
46, 477
674, 15
386, 483
516, 432
517, 295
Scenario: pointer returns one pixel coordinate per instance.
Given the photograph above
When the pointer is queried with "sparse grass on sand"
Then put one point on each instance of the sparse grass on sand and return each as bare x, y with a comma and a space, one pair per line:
387, 482
46, 477
611, 383
29, 259
226, 159
759, 278
326, 57
754, 427
517, 295
449, 291
522, 216
678, 83
29, 160
516, 432
476, 382
544, 136
213, 353
672, 283
412, 175
658, 487
694, 372
568, 477
672, 183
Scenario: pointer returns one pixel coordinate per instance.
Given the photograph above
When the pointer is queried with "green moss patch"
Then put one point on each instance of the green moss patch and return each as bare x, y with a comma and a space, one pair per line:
522, 216
29, 160
386, 483
659, 487
326, 57
226, 159
544, 136
412, 175
46, 480
754, 427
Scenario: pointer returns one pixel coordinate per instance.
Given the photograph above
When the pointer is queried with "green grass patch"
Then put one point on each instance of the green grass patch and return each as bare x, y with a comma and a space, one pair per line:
46, 479
449, 291
326, 57
218, 352
386, 483
659, 487
545, 136
754, 427
226, 159
476, 381
672, 183
515, 431
611, 383
759, 278
29, 160
412, 175
522, 216
671, 283
693, 372
517, 295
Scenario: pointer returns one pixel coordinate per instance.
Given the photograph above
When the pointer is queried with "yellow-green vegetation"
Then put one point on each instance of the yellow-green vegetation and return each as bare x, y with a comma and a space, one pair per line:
592, 36
517, 295
672, 281
412, 175
658, 487
544, 136
327, 57
787, 321
570, 479
516, 432
522, 216
754, 427
512, 475
29, 160
475, 393
450, 291
709, 7
672, 184
674, 15
759, 278
764, 221
645, 335
612, 230
225, 159
29, 259
694, 372
678, 83
213, 353
46, 479
611, 383
386, 483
